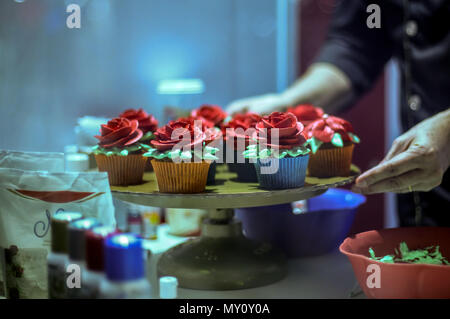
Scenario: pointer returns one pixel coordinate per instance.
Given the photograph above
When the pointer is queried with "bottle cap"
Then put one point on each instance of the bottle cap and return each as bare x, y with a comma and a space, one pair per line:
76, 162
59, 232
168, 287
124, 257
77, 242
95, 239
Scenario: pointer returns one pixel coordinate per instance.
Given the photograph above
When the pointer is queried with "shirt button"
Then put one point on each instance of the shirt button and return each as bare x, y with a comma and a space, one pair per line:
411, 28
414, 102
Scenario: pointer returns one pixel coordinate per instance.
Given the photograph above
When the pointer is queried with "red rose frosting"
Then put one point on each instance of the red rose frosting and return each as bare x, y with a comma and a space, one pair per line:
147, 123
187, 135
119, 132
325, 128
306, 113
289, 130
205, 123
212, 113
244, 122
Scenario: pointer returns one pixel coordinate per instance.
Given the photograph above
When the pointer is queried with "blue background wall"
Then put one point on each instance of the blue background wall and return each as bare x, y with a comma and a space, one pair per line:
51, 75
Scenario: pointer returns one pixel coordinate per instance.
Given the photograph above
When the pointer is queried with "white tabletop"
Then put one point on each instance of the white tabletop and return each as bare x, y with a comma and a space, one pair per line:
326, 276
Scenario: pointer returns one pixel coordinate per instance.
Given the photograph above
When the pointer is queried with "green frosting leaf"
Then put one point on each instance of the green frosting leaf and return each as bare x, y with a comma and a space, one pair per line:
186, 155
372, 253
147, 137
253, 152
210, 157
206, 154
315, 144
355, 139
337, 140
118, 151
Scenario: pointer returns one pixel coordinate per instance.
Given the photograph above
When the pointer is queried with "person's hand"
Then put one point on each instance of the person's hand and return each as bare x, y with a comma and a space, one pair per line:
416, 161
263, 104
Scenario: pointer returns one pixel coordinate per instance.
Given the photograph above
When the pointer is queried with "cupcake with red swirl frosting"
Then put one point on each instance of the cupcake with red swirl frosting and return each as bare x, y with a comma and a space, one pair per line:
280, 155
148, 124
181, 156
119, 151
306, 113
332, 140
238, 133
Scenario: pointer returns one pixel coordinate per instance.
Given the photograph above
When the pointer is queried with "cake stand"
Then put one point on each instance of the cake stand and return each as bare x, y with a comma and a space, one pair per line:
222, 258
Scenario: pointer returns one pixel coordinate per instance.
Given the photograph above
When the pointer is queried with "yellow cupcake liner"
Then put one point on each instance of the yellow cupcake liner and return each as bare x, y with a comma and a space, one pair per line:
185, 178
122, 170
330, 162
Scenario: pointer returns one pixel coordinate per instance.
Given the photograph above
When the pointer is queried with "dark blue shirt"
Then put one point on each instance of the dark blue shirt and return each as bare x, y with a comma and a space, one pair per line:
415, 32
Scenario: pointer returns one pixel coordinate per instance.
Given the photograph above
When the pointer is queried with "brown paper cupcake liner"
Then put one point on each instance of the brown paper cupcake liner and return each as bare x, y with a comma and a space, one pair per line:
183, 178
122, 170
330, 162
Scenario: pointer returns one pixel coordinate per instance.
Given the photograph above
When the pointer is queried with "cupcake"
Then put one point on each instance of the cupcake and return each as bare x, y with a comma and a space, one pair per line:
181, 156
238, 133
331, 140
281, 155
148, 124
119, 152
212, 116
306, 113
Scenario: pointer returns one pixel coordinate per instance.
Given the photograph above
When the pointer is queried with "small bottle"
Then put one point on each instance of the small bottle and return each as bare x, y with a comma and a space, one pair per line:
77, 249
134, 222
168, 287
57, 260
124, 269
150, 222
94, 273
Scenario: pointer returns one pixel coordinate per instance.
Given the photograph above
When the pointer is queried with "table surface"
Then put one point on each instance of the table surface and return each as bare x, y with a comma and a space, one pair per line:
327, 276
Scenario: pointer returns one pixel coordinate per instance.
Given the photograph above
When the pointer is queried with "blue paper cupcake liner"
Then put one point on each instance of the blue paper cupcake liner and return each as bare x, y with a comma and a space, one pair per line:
212, 174
291, 172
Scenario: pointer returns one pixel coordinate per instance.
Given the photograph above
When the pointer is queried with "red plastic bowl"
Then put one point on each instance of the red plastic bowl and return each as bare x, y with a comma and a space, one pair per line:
400, 280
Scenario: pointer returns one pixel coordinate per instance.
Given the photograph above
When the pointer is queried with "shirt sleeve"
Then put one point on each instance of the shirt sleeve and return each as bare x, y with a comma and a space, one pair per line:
357, 50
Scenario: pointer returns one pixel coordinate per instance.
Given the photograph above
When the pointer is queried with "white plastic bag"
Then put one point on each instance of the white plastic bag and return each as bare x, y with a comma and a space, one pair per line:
28, 199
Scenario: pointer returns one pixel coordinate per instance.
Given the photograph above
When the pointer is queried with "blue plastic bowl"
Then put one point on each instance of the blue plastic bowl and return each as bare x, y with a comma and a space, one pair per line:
318, 231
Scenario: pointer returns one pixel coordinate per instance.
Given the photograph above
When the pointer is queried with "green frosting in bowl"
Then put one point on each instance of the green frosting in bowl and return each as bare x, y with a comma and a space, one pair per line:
429, 255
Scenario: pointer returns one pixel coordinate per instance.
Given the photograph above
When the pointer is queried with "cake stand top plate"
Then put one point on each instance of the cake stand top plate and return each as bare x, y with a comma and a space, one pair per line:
226, 193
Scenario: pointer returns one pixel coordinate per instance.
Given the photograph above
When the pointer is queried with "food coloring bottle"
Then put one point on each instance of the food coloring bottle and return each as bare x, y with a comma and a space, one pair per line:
94, 272
77, 251
125, 269
58, 259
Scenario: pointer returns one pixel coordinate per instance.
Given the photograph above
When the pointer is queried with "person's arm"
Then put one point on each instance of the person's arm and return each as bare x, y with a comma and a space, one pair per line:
323, 84
348, 64
416, 161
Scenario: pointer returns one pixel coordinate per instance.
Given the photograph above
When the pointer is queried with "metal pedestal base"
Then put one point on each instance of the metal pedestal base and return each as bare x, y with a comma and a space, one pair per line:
222, 258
